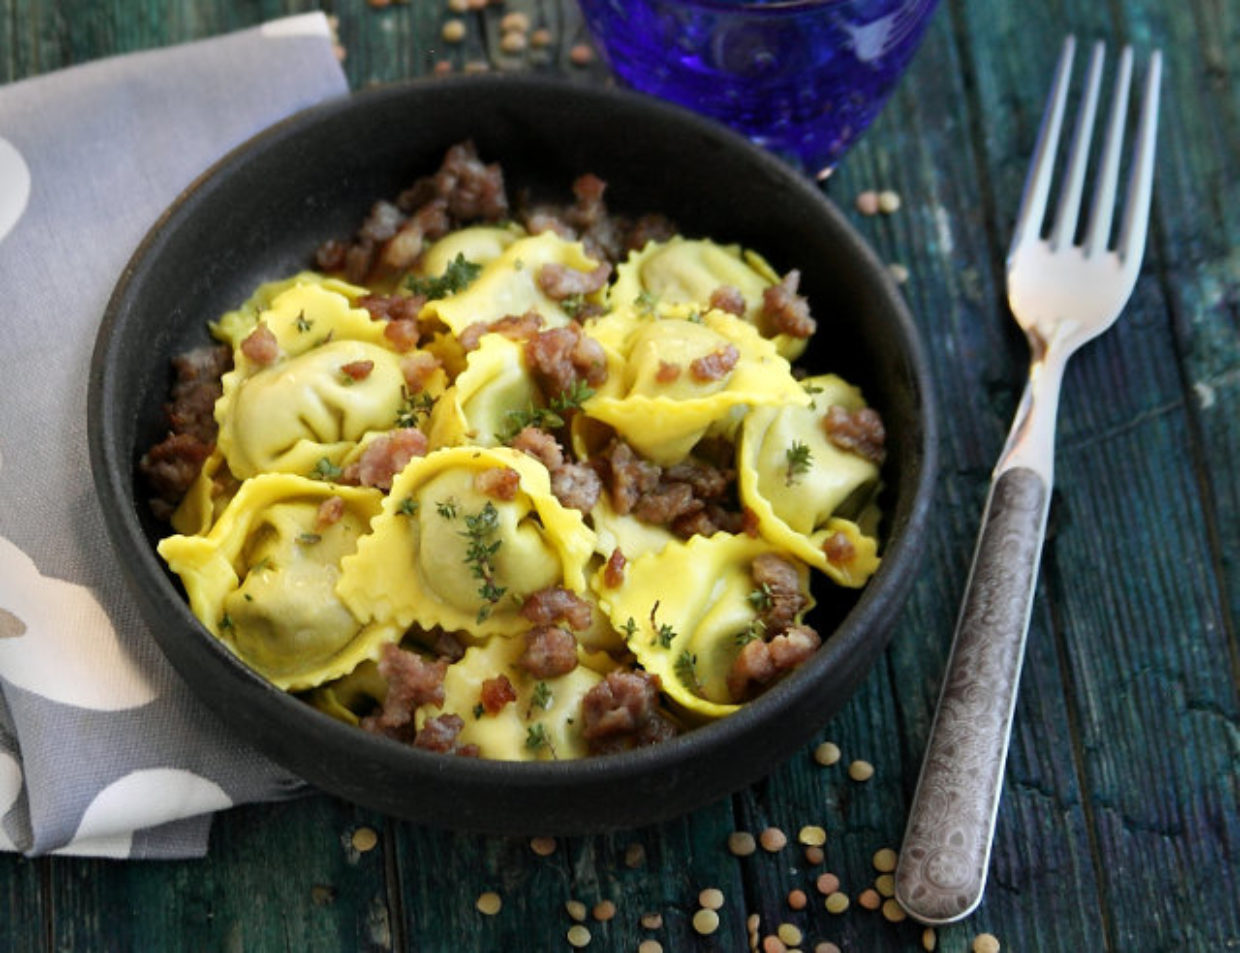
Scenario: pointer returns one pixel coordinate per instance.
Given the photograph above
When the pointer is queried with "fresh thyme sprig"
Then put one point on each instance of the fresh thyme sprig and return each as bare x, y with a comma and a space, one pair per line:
413, 408
686, 670
799, 460
536, 738
326, 470
551, 417
480, 527
458, 276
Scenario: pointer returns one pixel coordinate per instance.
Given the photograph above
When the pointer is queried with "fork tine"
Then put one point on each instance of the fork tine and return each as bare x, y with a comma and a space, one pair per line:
1068, 211
1137, 205
1103, 209
1038, 183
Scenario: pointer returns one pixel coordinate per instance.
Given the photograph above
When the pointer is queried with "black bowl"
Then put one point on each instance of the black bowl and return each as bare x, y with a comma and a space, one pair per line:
260, 213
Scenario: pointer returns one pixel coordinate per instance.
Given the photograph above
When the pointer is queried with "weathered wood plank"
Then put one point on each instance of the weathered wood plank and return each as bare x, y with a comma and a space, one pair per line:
284, 876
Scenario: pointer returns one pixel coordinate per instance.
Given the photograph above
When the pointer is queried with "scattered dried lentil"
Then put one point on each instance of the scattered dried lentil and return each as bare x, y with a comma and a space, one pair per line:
741, 843
477, 4
929, 939
827, 883
861, 770
899, 272
814, 855
773, 944
711, 898
489, 903
813, 835
364, 839
634, 856
706, 922
581, 54
888, 201
773, 839
836, 902
650, 946
575, 909
379, 4
826, 946
604, 910
895, 913
790, 934
540, 38
885, 884
885, 860
474, 67
578, 936
513, 42
867, 202
869, 899
516, 20
453, 31
458, 6
985, 943
652, 921
543, 846
442, 67
827, 753
797, 899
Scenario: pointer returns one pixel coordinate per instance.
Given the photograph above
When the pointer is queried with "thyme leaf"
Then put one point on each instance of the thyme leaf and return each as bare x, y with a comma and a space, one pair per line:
799, 460
458, 276
326, 470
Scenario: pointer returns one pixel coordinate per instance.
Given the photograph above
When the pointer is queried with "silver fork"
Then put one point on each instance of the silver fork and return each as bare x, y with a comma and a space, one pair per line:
1062, 295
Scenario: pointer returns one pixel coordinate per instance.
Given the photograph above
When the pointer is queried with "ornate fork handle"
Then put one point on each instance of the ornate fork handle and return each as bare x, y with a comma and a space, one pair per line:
946, 850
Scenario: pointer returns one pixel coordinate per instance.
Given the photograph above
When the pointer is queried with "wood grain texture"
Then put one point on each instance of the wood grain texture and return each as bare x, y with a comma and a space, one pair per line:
1120, 825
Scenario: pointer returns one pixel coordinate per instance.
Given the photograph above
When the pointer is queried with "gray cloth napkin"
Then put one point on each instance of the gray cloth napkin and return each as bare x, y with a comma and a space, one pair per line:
102, 750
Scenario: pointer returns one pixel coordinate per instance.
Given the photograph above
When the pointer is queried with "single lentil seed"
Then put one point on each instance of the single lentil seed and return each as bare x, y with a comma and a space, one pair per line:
516, 20
790, 934
885, 884
650, 946
634, 856
453, 31
814, 855
711, 898
827, 753
442, 68
513, 42
827, 884
578, 936
489, 903
773, 839
867, 202
929, 939
895, 913
888, 201
773, 944
826, 946
458, 6
652, 921
543, 846
813, 835
706, 922
364, 839
575, 909
474, 67
797, 899
581, 54
836, 902
885, 860
870, 899
899, 272
477, 4
861, 770
752, 921
741, 843
604, 910
985, 943
540, 38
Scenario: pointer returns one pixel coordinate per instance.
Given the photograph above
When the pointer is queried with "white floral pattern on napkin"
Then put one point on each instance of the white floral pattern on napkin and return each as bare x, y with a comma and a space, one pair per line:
103, 752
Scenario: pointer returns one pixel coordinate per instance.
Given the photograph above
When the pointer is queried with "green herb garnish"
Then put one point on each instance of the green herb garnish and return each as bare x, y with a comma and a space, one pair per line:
304, 324
480, 555
326, 470
413, 408
407, 507
799, 460
446, 508
458, 276
551, 417
686, 670
542, 696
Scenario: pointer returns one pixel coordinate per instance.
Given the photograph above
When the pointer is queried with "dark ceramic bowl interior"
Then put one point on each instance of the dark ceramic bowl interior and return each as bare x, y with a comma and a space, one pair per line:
260, 213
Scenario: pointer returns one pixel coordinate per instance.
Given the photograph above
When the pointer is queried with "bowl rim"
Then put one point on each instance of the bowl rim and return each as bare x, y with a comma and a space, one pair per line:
872, 615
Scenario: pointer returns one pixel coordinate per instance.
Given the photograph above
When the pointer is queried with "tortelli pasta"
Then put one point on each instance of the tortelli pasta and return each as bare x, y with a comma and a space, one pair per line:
499, 498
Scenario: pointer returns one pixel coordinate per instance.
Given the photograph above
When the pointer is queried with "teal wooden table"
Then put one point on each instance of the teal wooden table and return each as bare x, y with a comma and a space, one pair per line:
1120, 823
